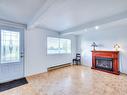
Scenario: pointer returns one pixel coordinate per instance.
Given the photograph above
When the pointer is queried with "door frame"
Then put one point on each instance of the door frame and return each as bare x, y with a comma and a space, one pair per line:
22, 46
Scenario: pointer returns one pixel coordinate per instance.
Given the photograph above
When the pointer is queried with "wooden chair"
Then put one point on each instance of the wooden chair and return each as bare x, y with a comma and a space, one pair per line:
77, 60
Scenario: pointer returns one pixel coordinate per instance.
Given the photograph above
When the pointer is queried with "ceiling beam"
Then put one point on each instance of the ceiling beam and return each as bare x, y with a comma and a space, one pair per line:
47, 4
98, 22
4, 22
45, 28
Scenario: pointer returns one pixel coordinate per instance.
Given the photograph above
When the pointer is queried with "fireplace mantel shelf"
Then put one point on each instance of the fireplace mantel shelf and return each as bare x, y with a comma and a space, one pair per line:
105, 51
106, 54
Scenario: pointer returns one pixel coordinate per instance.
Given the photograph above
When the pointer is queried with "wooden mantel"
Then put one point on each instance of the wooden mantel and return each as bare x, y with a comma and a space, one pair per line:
107, 54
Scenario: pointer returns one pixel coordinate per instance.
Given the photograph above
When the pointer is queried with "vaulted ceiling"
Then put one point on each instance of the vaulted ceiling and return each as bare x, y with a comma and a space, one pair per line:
63, 15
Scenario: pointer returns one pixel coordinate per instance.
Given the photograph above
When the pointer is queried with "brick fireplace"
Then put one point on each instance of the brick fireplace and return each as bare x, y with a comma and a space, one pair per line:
107, 61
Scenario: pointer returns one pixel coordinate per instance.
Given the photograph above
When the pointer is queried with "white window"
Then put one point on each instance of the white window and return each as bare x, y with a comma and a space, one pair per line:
58, 45
10, 46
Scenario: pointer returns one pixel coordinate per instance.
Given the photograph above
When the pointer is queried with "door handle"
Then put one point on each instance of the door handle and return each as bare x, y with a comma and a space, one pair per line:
21, 54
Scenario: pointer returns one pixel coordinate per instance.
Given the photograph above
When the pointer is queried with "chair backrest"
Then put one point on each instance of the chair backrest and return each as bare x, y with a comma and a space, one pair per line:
78, 56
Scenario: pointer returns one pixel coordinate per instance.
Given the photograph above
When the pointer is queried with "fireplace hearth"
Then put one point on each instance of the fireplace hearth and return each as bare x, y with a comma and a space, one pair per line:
107, 61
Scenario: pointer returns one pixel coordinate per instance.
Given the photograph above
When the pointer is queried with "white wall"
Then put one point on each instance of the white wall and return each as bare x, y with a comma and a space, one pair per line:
36, 58
105, 38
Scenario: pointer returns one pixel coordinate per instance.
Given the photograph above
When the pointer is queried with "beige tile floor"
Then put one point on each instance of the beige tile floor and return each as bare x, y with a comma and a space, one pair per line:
73, 80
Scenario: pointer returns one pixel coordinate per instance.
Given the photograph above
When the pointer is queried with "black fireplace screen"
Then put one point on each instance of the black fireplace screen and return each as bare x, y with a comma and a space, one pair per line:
104, 63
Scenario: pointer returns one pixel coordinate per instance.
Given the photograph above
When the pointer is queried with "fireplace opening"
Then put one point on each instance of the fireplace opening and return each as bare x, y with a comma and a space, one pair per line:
104, 63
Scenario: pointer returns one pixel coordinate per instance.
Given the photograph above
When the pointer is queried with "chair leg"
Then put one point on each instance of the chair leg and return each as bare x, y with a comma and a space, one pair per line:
80, 62
76, 62
73, 62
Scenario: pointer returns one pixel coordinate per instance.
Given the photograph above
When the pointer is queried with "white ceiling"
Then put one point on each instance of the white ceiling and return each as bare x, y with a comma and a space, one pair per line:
62, 15
21, 11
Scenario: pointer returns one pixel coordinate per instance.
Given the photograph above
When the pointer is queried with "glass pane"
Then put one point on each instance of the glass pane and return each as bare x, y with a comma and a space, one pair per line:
52, 45
65, 46
10, 46
68, 46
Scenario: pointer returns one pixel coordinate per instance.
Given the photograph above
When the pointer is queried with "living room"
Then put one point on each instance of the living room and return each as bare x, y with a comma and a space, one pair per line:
63, 47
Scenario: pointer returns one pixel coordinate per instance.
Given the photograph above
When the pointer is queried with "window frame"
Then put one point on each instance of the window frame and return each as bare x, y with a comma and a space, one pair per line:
59, 46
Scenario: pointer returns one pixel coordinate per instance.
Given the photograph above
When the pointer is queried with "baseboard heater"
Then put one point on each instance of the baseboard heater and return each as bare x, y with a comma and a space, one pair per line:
59, 66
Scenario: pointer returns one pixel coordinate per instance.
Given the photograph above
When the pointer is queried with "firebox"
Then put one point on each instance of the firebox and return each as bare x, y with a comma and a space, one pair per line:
104, 63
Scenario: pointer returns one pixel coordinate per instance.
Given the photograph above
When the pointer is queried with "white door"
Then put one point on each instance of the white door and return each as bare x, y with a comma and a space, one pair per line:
11, 54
